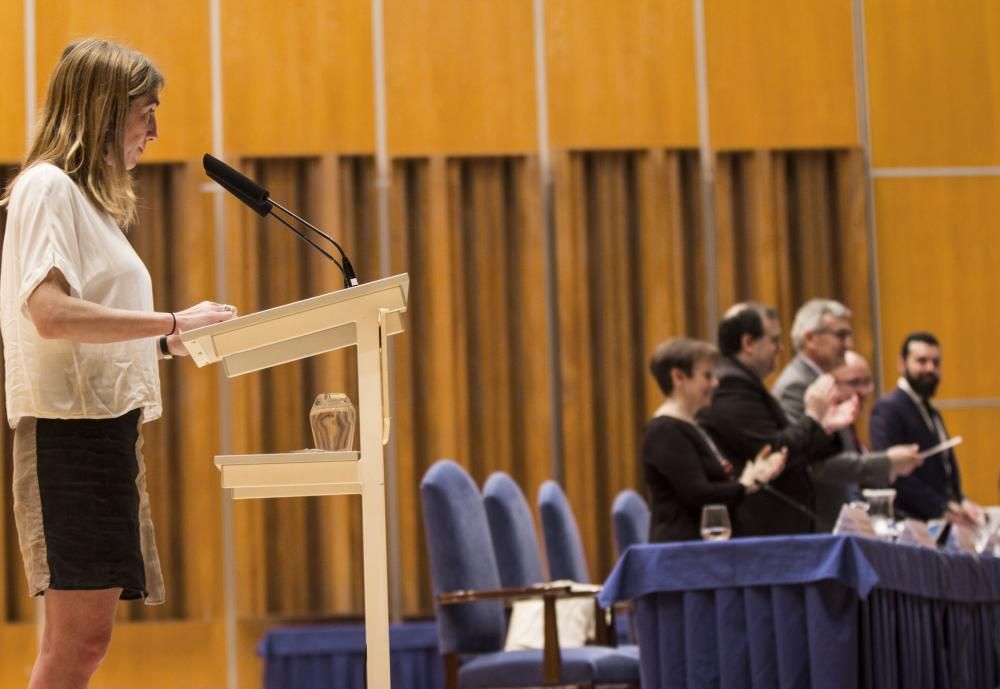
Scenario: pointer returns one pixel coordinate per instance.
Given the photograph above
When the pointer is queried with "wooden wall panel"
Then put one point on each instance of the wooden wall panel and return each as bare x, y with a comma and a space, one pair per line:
19, 644
933, 82
189, 654
791, 227
416, 585
472, 376
767, 229
12, 117
176, 38
333, 204
612, 257
662, 293
854, 270
246, 403
577, 355
780, 74
621, 74
531, 332
938, 260
730, 263
297, 81
460, 77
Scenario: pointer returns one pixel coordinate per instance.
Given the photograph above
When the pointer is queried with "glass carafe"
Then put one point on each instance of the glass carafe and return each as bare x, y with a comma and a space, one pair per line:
332, 419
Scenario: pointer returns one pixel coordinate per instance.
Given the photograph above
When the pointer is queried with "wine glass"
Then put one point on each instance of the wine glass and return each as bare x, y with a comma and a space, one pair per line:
715, 524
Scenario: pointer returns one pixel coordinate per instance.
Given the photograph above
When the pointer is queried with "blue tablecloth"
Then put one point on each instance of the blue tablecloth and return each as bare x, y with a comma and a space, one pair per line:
811, 611
333, 657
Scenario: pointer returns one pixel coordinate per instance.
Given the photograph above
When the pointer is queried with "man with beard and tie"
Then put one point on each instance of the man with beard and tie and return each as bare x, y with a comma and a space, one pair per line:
906, 415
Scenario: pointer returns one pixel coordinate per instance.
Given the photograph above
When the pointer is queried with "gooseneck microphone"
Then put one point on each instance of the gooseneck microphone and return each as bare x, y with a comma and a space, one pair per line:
785, 498
259, 201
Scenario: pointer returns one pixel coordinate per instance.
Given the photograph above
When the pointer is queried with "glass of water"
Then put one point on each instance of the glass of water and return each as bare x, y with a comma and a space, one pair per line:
715, 524
880, 510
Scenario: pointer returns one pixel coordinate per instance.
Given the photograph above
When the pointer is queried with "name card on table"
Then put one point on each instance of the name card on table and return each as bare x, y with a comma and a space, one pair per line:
964, 538
915, 532
990, 548
854, 521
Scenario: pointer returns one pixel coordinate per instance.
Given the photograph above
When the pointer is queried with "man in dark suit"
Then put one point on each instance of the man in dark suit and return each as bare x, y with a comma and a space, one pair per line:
743, 417
822, 336
906, 415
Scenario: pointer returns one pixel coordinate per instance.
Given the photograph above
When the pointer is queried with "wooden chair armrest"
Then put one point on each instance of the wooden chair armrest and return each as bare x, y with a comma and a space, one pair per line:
551, 657
513, 593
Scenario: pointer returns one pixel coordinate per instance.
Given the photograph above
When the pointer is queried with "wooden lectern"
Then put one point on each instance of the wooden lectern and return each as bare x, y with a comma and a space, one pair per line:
364, 316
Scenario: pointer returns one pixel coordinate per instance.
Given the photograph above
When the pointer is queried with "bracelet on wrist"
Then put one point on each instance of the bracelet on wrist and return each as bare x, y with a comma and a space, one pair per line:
173, 328
165, 348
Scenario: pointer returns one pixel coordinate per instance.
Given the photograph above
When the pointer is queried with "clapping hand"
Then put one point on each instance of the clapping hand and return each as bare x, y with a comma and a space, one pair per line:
764, 467
840, 415
820, 396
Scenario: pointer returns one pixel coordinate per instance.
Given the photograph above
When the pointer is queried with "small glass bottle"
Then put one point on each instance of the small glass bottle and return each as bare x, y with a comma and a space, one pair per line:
332, 419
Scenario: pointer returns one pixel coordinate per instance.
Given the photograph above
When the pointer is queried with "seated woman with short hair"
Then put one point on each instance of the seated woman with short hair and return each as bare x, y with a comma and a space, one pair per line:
683, 468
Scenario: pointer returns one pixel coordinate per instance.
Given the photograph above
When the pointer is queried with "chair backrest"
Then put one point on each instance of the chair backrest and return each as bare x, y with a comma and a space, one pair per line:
630, 516
515, 541
461, 558
563, 546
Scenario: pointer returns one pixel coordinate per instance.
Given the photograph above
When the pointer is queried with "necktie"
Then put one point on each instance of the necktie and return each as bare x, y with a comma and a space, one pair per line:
946, 457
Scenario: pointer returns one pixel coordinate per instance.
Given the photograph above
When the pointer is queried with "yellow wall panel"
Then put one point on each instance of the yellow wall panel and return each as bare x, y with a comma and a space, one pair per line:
938, 259
621, 74
12, 117
934, 81
460, 76
174, 35
977, 456
187, 654
297, 80
780, 73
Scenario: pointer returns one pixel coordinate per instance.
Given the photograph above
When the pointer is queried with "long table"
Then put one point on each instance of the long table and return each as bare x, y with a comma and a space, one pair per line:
333, 657
818, 612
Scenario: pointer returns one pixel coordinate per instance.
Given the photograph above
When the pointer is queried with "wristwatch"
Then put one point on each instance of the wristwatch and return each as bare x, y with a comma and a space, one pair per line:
164, 349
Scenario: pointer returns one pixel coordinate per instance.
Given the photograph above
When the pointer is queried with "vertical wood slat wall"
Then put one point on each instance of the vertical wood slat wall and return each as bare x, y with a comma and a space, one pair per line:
629, 260
471, 373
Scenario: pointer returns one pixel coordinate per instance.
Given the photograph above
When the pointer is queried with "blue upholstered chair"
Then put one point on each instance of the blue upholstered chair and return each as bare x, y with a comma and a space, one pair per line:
563, 545
468, 601
512, 529
630, 517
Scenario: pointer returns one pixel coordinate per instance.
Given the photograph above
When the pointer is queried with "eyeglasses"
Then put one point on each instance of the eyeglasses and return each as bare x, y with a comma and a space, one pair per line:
856, 383
842, 335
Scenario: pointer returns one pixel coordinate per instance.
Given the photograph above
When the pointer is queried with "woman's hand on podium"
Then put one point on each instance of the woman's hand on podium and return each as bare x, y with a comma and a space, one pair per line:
205, 313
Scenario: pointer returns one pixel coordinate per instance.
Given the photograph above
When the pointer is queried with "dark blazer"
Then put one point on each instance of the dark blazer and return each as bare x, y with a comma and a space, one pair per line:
683, 475
742, 418
925, 493
837, 478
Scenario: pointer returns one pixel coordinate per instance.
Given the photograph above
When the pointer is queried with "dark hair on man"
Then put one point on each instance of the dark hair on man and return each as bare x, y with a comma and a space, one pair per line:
746, 318
925, 337
681, 353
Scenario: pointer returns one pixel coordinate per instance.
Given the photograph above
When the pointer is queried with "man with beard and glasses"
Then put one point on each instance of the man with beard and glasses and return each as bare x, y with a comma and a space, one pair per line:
906, 415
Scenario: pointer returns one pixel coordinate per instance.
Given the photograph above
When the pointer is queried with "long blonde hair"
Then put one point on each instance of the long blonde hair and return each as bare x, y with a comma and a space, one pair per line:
81, 128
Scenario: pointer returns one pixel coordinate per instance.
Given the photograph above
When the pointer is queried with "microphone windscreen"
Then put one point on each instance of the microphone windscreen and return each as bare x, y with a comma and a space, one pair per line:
239, 185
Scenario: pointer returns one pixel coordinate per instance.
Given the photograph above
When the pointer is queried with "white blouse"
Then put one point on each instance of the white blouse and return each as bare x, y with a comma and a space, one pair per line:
52, 224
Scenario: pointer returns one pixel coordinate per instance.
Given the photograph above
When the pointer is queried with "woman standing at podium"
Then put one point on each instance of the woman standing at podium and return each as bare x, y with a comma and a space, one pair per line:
81, 343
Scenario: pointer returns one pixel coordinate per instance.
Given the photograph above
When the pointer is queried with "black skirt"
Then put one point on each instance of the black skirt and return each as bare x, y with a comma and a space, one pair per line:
80, 504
